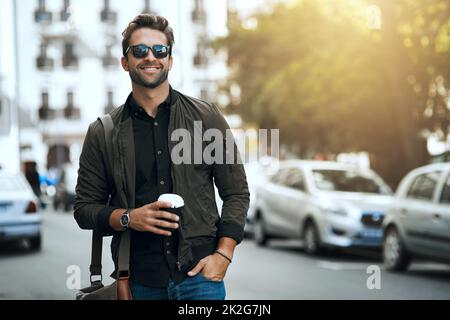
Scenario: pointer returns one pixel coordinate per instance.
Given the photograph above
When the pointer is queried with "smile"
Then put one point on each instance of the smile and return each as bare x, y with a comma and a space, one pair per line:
150, 69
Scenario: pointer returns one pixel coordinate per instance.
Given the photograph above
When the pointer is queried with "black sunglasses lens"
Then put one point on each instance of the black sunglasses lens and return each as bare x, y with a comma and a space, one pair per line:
160, 51
139, 51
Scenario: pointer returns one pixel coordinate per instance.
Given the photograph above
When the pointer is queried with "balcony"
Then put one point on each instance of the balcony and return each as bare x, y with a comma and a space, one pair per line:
45, 63
65, 12
41, 15
70, 61
108, 59
200, 59
71, 112
46, 113
107, 15
110, 105
64, 15
198, 14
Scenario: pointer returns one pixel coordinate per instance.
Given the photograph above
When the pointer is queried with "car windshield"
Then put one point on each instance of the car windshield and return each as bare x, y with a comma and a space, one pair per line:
348, 181
11, 184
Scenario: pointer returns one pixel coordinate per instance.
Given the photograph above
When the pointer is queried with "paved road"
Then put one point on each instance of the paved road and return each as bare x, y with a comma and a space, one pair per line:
279, 271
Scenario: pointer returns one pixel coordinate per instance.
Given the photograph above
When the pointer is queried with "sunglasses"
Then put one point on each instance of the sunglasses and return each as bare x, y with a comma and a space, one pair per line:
141, 50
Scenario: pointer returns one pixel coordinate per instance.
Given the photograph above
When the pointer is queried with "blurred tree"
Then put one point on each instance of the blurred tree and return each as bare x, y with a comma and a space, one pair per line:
331, 83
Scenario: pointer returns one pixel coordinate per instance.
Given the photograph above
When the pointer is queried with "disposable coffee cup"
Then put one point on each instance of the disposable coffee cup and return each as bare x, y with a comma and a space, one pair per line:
177, 203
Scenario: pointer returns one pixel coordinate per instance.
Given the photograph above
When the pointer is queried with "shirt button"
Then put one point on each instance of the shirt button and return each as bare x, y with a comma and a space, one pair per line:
156, 124
168, 251
159, 152
161, 182
167, 243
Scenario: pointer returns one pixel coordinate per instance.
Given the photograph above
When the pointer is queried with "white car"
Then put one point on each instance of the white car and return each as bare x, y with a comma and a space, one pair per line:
256, 173
19, 210
327, 204
418, 224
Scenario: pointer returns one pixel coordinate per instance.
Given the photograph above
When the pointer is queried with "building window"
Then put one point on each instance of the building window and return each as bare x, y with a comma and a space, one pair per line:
65, 12
107, 15
109, 60
43, 62
5, 117
200, 58
147, 7
198, 14
70, 111
204, 94
70, 59
110, 104
41, 15
45, 112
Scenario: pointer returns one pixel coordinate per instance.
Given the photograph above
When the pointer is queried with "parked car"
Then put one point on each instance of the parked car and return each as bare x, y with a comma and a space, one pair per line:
418, 224
324, 203
256, 173
19, 210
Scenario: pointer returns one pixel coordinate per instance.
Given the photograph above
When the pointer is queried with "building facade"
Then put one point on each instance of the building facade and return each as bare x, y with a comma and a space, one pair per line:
9, 131
69, 64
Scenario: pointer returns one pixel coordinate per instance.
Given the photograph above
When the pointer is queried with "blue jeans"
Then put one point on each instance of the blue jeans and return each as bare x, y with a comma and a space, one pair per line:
197, 287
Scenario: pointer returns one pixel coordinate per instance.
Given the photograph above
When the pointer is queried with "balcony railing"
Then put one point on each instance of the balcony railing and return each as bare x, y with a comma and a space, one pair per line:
71, 112
70, 61
65, 12
45, 63
43, 16
198, 16
46, 113
110, 105
200, 59
108, 59
108, 16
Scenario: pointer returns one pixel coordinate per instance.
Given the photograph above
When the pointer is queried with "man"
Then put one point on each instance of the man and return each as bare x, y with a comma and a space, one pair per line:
170, 258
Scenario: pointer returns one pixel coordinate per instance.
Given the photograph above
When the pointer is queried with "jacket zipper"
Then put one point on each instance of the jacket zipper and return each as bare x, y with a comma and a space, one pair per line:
179, 228
171, 119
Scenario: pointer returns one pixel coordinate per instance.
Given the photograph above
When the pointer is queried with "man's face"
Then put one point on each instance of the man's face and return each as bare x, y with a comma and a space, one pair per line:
148, 72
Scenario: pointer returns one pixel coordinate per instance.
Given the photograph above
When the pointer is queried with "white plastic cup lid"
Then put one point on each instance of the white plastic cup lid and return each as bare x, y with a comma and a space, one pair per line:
176, 200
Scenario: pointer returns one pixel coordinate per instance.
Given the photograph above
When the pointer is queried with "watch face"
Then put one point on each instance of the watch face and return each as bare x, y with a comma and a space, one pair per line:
124, 220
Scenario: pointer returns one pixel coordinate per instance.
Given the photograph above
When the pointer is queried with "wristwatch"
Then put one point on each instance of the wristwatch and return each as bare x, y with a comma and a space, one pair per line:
125, 219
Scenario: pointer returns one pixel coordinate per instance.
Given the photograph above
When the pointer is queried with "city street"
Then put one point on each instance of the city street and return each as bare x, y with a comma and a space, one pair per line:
280, 271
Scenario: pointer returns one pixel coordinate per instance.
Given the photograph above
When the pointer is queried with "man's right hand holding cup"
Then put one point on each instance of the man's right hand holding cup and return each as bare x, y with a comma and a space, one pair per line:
149, 218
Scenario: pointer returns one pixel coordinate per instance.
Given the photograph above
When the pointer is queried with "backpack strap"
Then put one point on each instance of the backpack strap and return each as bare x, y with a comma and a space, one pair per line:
97, 240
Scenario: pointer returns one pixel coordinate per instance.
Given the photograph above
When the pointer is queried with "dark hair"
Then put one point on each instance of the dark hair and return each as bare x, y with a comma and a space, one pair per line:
148, 21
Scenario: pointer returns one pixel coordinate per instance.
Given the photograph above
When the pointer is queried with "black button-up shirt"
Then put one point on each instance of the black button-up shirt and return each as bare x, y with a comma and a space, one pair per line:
153, 257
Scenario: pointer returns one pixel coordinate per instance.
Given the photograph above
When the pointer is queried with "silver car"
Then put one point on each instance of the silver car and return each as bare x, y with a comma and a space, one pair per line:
19, 211
255, 172
327, 204
418, 224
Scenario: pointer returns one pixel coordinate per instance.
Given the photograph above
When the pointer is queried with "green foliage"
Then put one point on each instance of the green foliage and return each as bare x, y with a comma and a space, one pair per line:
316, 71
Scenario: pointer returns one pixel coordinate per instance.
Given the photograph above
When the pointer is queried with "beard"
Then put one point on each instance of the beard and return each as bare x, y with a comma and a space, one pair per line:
137, 78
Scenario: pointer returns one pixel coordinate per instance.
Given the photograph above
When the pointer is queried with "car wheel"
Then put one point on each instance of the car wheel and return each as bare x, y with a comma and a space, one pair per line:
311, 239
35, 243
395, 256
259, 231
